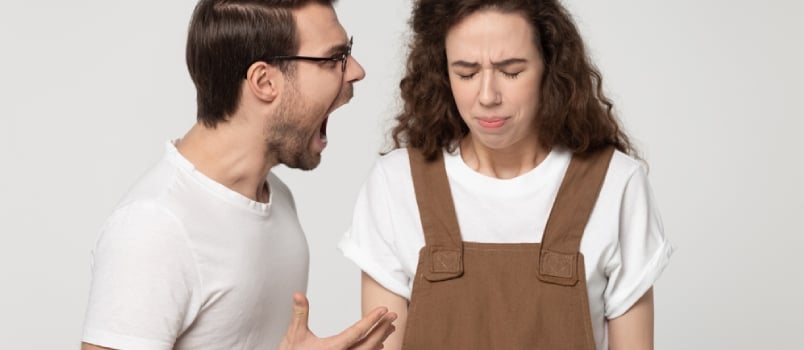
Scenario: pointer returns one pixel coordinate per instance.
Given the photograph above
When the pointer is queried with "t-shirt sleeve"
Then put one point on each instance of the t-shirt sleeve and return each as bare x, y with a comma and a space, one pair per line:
143, 280
369, 242
642, 252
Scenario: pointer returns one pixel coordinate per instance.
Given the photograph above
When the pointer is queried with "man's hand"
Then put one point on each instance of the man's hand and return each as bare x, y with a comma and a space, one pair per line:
366, 334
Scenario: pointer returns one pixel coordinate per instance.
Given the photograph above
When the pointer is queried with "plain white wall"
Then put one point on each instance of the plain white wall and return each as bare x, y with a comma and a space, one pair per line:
710, 90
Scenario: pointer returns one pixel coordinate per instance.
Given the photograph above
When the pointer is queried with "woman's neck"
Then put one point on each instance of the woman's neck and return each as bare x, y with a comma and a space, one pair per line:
506, 163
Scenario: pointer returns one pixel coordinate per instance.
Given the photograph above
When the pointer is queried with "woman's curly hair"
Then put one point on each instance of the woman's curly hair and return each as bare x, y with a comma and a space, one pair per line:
573, 111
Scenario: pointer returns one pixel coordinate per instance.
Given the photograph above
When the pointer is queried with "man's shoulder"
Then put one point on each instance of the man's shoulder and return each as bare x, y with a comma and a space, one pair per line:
146, 206
142, 217
152, 184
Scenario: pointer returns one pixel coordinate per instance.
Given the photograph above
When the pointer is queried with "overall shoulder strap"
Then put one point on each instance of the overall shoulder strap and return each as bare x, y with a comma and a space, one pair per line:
443, 242
573, 205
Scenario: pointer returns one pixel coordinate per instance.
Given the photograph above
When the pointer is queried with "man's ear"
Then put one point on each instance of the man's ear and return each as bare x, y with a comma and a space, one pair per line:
264, 81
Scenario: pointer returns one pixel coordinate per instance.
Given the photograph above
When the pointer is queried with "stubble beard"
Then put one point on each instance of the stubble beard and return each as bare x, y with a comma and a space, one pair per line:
287, 140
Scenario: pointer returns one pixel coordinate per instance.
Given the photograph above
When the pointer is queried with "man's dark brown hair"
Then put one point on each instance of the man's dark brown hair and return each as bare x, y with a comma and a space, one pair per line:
226, 37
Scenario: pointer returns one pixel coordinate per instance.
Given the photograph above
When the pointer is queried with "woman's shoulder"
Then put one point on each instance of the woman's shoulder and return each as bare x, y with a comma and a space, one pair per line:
394, 160
626, 173
391, 167
395, 155
625, 166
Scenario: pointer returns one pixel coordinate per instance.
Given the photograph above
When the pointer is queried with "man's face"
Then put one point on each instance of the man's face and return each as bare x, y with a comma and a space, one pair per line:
298, 134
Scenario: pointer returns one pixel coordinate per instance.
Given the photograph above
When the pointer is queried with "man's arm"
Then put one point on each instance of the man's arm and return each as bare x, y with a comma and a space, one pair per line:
634, 329
366, 334
143, 274
374, 295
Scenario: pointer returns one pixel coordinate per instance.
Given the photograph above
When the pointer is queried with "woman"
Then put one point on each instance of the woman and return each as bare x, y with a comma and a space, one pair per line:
512, 213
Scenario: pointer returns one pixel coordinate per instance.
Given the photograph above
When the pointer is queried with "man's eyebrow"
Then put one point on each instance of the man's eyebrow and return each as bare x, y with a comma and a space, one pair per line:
503, 63
338, 49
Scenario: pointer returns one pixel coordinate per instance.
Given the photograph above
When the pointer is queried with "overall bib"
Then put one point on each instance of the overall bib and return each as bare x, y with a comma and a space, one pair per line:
469, 295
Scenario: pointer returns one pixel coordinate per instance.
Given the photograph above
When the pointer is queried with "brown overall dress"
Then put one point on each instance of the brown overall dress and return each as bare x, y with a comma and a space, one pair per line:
469, 295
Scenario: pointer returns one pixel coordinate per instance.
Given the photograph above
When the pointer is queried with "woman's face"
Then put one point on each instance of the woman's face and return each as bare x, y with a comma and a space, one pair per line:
495, 72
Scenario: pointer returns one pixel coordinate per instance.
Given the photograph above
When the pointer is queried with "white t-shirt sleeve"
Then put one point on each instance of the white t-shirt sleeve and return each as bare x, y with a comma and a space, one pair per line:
642, 249
143, 280
369, 243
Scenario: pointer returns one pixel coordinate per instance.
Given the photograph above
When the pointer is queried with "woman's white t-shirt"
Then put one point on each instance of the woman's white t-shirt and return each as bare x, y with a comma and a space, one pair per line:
623, 244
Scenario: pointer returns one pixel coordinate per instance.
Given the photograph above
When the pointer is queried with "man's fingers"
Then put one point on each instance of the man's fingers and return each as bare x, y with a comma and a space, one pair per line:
297, 329
301, 311
360, 329
378, 334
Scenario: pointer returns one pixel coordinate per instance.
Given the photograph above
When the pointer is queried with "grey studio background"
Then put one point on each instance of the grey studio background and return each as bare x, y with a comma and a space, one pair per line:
91, 90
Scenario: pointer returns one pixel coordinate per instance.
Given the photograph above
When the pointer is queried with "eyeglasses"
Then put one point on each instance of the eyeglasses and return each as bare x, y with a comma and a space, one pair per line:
341, 57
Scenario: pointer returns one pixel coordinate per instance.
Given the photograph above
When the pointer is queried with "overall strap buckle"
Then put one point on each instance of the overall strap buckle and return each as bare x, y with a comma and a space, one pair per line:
558, 268
445, 263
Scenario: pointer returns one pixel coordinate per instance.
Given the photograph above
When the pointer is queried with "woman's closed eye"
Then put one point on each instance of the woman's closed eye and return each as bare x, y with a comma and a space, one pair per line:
512, 75
506, 73
466, 75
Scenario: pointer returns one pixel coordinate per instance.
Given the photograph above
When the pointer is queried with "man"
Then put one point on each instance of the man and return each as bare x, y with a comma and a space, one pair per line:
206, 250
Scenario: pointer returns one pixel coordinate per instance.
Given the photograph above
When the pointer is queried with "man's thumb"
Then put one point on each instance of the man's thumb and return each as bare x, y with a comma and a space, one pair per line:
301, 311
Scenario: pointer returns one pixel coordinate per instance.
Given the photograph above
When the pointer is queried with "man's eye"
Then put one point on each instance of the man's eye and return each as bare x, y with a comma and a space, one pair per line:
332, 62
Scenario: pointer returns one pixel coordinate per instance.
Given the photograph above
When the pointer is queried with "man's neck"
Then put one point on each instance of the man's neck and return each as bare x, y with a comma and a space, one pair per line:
233, 154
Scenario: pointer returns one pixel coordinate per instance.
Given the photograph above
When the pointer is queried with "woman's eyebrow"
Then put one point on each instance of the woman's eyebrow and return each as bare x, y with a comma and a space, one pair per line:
508, 62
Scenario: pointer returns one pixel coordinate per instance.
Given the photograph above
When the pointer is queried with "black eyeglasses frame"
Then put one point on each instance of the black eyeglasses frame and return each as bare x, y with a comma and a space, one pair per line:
343, 58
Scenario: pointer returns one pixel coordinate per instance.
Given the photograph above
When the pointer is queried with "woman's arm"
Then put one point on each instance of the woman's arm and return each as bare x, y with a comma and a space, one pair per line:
374, 295
634, 329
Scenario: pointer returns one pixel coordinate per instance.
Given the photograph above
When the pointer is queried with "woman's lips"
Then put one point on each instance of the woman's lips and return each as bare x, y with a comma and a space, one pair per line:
491, 122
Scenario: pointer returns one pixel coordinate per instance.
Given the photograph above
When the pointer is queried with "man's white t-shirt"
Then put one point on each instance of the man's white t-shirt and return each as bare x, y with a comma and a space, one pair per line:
623, 244
184, 262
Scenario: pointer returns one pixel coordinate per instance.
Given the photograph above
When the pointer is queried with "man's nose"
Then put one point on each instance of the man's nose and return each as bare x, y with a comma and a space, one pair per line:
354, 71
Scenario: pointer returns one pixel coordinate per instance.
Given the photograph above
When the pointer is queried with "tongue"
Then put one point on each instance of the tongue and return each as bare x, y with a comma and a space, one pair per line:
323, 130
